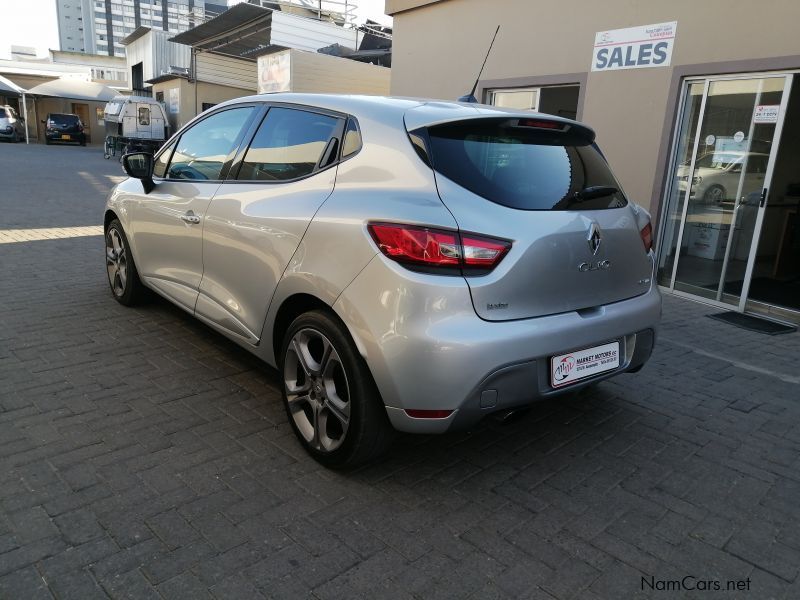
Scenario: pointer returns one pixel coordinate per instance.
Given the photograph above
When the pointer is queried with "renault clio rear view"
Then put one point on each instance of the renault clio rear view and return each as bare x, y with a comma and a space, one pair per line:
405, 264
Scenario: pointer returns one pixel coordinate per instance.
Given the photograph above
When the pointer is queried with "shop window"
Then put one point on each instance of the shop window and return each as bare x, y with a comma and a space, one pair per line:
560, 100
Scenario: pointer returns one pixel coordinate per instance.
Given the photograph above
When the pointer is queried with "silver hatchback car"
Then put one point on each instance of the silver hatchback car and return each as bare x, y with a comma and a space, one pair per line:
405, 264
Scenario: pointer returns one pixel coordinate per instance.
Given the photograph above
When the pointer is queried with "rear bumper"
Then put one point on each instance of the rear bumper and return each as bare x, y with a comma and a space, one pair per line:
73, 137
520, 385
427, 348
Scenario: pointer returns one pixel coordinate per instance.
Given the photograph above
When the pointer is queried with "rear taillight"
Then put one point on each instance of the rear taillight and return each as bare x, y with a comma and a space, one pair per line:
647, 237
426, 247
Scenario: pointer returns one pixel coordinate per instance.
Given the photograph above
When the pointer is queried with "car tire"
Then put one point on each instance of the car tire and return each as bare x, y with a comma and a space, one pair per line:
123, 278
331, 400
47, 142
715, 193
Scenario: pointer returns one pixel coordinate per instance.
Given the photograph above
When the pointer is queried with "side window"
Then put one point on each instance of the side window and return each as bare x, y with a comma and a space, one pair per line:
288, 144
160, 166
352, 139
144, 115
202, 151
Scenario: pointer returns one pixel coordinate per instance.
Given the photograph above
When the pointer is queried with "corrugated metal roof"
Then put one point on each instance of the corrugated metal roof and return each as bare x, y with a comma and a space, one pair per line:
240, 31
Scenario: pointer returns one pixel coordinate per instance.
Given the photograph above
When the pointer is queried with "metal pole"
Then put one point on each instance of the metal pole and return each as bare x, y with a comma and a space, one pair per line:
25, 116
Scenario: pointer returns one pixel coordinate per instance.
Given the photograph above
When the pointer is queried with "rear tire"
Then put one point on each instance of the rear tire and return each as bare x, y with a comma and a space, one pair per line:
123, 277
331, 400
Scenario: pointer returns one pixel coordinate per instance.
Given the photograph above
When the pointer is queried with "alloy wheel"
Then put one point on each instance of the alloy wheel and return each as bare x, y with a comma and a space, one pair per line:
116, 262
317, 390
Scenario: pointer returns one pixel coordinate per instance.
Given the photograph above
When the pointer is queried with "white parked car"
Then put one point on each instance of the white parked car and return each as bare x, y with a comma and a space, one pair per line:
716, 175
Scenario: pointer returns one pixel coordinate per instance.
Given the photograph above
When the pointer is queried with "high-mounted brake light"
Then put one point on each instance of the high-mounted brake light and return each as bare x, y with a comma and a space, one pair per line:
647, 237
428, 247
540, 124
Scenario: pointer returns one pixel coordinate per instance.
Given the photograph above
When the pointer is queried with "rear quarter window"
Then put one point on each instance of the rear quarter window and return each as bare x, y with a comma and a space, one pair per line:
522, 167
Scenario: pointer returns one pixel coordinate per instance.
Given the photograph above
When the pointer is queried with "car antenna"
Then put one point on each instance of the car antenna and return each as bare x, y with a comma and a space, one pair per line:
471, 96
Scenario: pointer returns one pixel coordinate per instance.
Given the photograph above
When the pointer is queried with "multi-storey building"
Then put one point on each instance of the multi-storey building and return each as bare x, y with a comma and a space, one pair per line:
98, 26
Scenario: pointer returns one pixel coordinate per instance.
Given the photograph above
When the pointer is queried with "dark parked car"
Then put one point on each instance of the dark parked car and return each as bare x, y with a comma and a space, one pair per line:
63, 128
12, 126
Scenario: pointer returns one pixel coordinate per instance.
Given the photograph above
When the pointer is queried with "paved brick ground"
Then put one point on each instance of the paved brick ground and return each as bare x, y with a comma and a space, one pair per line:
143, 456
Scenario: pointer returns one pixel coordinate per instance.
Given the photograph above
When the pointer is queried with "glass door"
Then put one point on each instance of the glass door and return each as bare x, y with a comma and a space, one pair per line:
720, 181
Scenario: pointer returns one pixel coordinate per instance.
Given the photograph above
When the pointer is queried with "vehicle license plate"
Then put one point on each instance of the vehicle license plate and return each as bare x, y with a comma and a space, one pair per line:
571, 368
64, 137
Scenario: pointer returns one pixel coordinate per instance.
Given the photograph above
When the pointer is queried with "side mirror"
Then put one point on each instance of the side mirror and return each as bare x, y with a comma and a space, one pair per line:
44, 121
139, 165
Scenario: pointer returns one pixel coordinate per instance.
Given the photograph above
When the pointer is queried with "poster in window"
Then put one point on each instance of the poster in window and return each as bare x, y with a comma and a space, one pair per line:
174, 101
274, 73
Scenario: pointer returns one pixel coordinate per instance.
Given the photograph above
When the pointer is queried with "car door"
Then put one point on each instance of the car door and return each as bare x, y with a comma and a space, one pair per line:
259, 215
167, 223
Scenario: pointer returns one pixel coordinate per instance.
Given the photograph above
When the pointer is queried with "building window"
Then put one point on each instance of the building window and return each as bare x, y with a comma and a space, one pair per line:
560, 100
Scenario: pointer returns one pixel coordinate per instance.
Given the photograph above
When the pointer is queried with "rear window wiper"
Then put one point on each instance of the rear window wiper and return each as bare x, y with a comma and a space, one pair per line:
594, 191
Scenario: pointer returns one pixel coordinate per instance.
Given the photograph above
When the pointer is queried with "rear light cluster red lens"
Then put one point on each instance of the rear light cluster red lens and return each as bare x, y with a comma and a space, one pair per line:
647, 237
426, 247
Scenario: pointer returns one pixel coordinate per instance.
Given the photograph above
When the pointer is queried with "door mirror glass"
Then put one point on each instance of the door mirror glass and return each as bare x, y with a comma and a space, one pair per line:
138, 165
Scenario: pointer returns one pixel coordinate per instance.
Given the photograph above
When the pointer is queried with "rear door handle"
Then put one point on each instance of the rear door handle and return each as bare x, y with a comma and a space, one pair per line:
190, 218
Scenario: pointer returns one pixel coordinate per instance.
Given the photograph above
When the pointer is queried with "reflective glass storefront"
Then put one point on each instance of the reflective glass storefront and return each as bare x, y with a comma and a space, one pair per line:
730, 232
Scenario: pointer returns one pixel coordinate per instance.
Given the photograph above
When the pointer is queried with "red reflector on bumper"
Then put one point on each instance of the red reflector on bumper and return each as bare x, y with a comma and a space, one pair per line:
428, 414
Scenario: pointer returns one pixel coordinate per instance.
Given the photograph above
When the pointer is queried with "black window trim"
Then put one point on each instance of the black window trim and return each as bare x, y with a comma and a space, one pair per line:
176, 138
338, 133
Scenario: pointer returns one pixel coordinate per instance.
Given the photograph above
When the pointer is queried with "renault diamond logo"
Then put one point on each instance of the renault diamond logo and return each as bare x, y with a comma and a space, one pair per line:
594, 238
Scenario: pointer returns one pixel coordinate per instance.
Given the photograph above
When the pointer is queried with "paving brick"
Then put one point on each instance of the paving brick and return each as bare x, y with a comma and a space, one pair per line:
142, 455
24, 583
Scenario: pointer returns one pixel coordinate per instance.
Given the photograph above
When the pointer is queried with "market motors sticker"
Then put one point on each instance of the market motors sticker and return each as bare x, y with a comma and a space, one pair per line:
766, 113
572, 367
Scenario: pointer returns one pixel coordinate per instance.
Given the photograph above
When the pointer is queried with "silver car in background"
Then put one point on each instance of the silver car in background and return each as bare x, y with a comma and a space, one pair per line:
405, 264
12, 126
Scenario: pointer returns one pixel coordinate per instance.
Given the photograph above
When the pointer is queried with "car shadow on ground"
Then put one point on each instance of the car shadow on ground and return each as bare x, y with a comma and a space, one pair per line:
541, 429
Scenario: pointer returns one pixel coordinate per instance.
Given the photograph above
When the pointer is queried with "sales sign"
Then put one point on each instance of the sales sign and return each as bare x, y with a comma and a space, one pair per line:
634, 47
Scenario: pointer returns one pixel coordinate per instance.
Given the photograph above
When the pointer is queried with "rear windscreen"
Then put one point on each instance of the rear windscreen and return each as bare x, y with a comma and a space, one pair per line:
64, 119
524, 167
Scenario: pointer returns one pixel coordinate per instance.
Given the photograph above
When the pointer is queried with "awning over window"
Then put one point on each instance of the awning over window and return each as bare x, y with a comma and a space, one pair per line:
9, 88
74, 89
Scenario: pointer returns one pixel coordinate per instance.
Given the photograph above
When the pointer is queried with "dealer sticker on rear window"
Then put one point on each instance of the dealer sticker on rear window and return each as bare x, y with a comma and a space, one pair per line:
572, 367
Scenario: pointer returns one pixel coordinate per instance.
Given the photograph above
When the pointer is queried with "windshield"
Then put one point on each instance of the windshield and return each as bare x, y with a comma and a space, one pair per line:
718, 160
524, 168
3, 113
64, 119
112, 108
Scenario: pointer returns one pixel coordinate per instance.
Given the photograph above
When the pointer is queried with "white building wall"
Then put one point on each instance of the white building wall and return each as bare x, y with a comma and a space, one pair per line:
321, 73
292, 31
